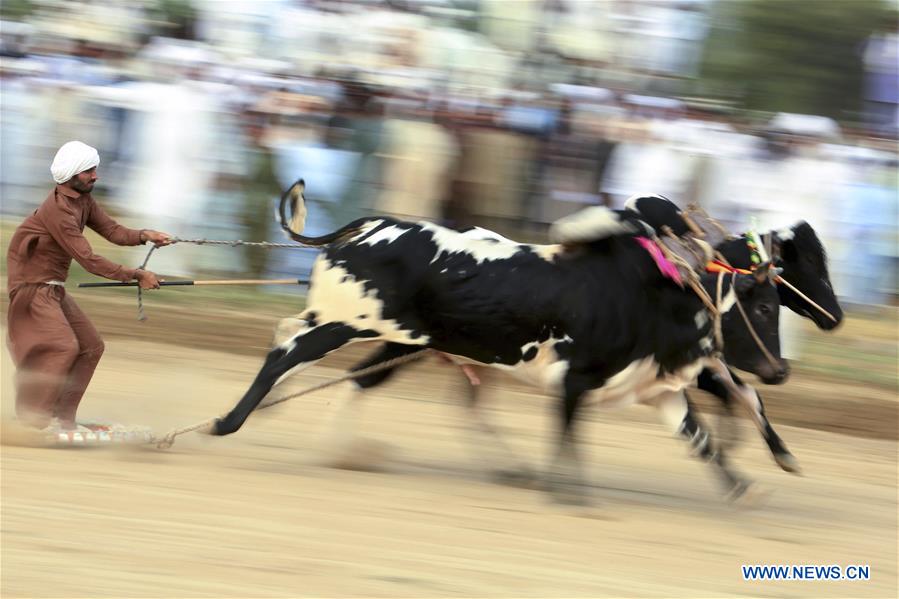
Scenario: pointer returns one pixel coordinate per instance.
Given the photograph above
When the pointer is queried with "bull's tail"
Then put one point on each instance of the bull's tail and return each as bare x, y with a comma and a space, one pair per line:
292, 216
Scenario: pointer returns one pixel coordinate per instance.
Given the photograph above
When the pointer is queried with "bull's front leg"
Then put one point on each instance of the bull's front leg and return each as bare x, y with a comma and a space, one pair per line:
722, 382
727, 430
305, 348
677, 411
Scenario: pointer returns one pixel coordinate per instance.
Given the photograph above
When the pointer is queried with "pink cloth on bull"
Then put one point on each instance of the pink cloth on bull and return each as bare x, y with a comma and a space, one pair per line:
666, 266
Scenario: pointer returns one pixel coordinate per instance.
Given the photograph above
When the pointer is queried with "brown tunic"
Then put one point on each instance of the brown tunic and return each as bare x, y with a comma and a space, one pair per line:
43, 246
53, 343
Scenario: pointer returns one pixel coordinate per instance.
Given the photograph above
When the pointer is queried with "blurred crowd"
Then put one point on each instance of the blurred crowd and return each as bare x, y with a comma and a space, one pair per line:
200, 144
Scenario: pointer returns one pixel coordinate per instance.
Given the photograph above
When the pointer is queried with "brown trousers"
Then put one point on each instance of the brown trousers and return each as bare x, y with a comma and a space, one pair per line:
55, 348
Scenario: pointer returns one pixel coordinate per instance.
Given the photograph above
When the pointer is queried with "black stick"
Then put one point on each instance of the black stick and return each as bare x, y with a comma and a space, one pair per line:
219, 282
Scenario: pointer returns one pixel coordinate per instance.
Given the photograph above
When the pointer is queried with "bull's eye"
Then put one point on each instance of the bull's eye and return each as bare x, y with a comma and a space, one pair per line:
764, 310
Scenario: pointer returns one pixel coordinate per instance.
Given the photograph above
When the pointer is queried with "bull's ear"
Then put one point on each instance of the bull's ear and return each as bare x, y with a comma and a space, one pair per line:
743, 284
788, 251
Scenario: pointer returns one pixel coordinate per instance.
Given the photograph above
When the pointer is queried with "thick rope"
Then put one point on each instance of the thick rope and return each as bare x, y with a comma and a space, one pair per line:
690, 274
238, 242
715, 307
169, 437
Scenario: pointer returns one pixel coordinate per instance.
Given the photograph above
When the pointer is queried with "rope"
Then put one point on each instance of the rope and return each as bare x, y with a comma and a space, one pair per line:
715, 307
238, 242
140, 295
141, 316
694, 207
169, 439
755, 336
719, 335
690, 274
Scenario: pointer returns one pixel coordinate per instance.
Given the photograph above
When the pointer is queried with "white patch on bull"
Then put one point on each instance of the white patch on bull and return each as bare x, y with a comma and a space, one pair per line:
546, 370
750, 397
548, 252
365, 228
785, 234
481, 249
673, 408
337, 296
287, 330
640, 382
485, 234
631, 202
589, 224
701, 318
388, 234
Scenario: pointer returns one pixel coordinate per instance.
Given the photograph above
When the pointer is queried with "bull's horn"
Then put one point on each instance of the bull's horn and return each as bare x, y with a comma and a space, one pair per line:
762, 272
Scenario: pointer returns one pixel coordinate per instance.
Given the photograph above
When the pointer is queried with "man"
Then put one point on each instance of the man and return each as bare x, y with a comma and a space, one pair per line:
53, 344
260, 189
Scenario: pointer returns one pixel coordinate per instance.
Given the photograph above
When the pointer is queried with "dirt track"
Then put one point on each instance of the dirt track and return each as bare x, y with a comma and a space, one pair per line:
260, 514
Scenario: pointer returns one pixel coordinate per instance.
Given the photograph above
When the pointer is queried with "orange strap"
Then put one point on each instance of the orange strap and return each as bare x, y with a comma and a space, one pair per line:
718, 266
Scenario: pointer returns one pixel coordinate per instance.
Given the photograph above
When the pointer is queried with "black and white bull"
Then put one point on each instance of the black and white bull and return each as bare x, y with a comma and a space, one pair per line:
594, 322
800, 255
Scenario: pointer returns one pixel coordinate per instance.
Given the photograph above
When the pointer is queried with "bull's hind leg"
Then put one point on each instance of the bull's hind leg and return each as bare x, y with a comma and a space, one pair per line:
487, 441
347, 449
680, 415
566, 479
305, 348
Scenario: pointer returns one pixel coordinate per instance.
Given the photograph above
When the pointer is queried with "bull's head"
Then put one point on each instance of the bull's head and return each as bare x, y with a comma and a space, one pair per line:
759, 301
804, 263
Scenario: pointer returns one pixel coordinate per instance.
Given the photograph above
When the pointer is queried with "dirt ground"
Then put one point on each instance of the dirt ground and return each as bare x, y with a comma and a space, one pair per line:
261, 513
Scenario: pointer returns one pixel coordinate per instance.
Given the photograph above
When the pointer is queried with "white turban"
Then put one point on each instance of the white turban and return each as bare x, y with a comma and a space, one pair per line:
72, 158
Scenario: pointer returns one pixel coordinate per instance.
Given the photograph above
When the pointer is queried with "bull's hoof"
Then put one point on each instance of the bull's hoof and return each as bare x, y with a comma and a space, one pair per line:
566, 489
213, 428
575, 495
747, 495
366, 455
788, 462
737, 491
522, 477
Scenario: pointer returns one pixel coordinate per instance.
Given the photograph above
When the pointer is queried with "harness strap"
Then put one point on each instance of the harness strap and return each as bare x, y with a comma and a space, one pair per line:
694, 208
691, 224
719, 335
